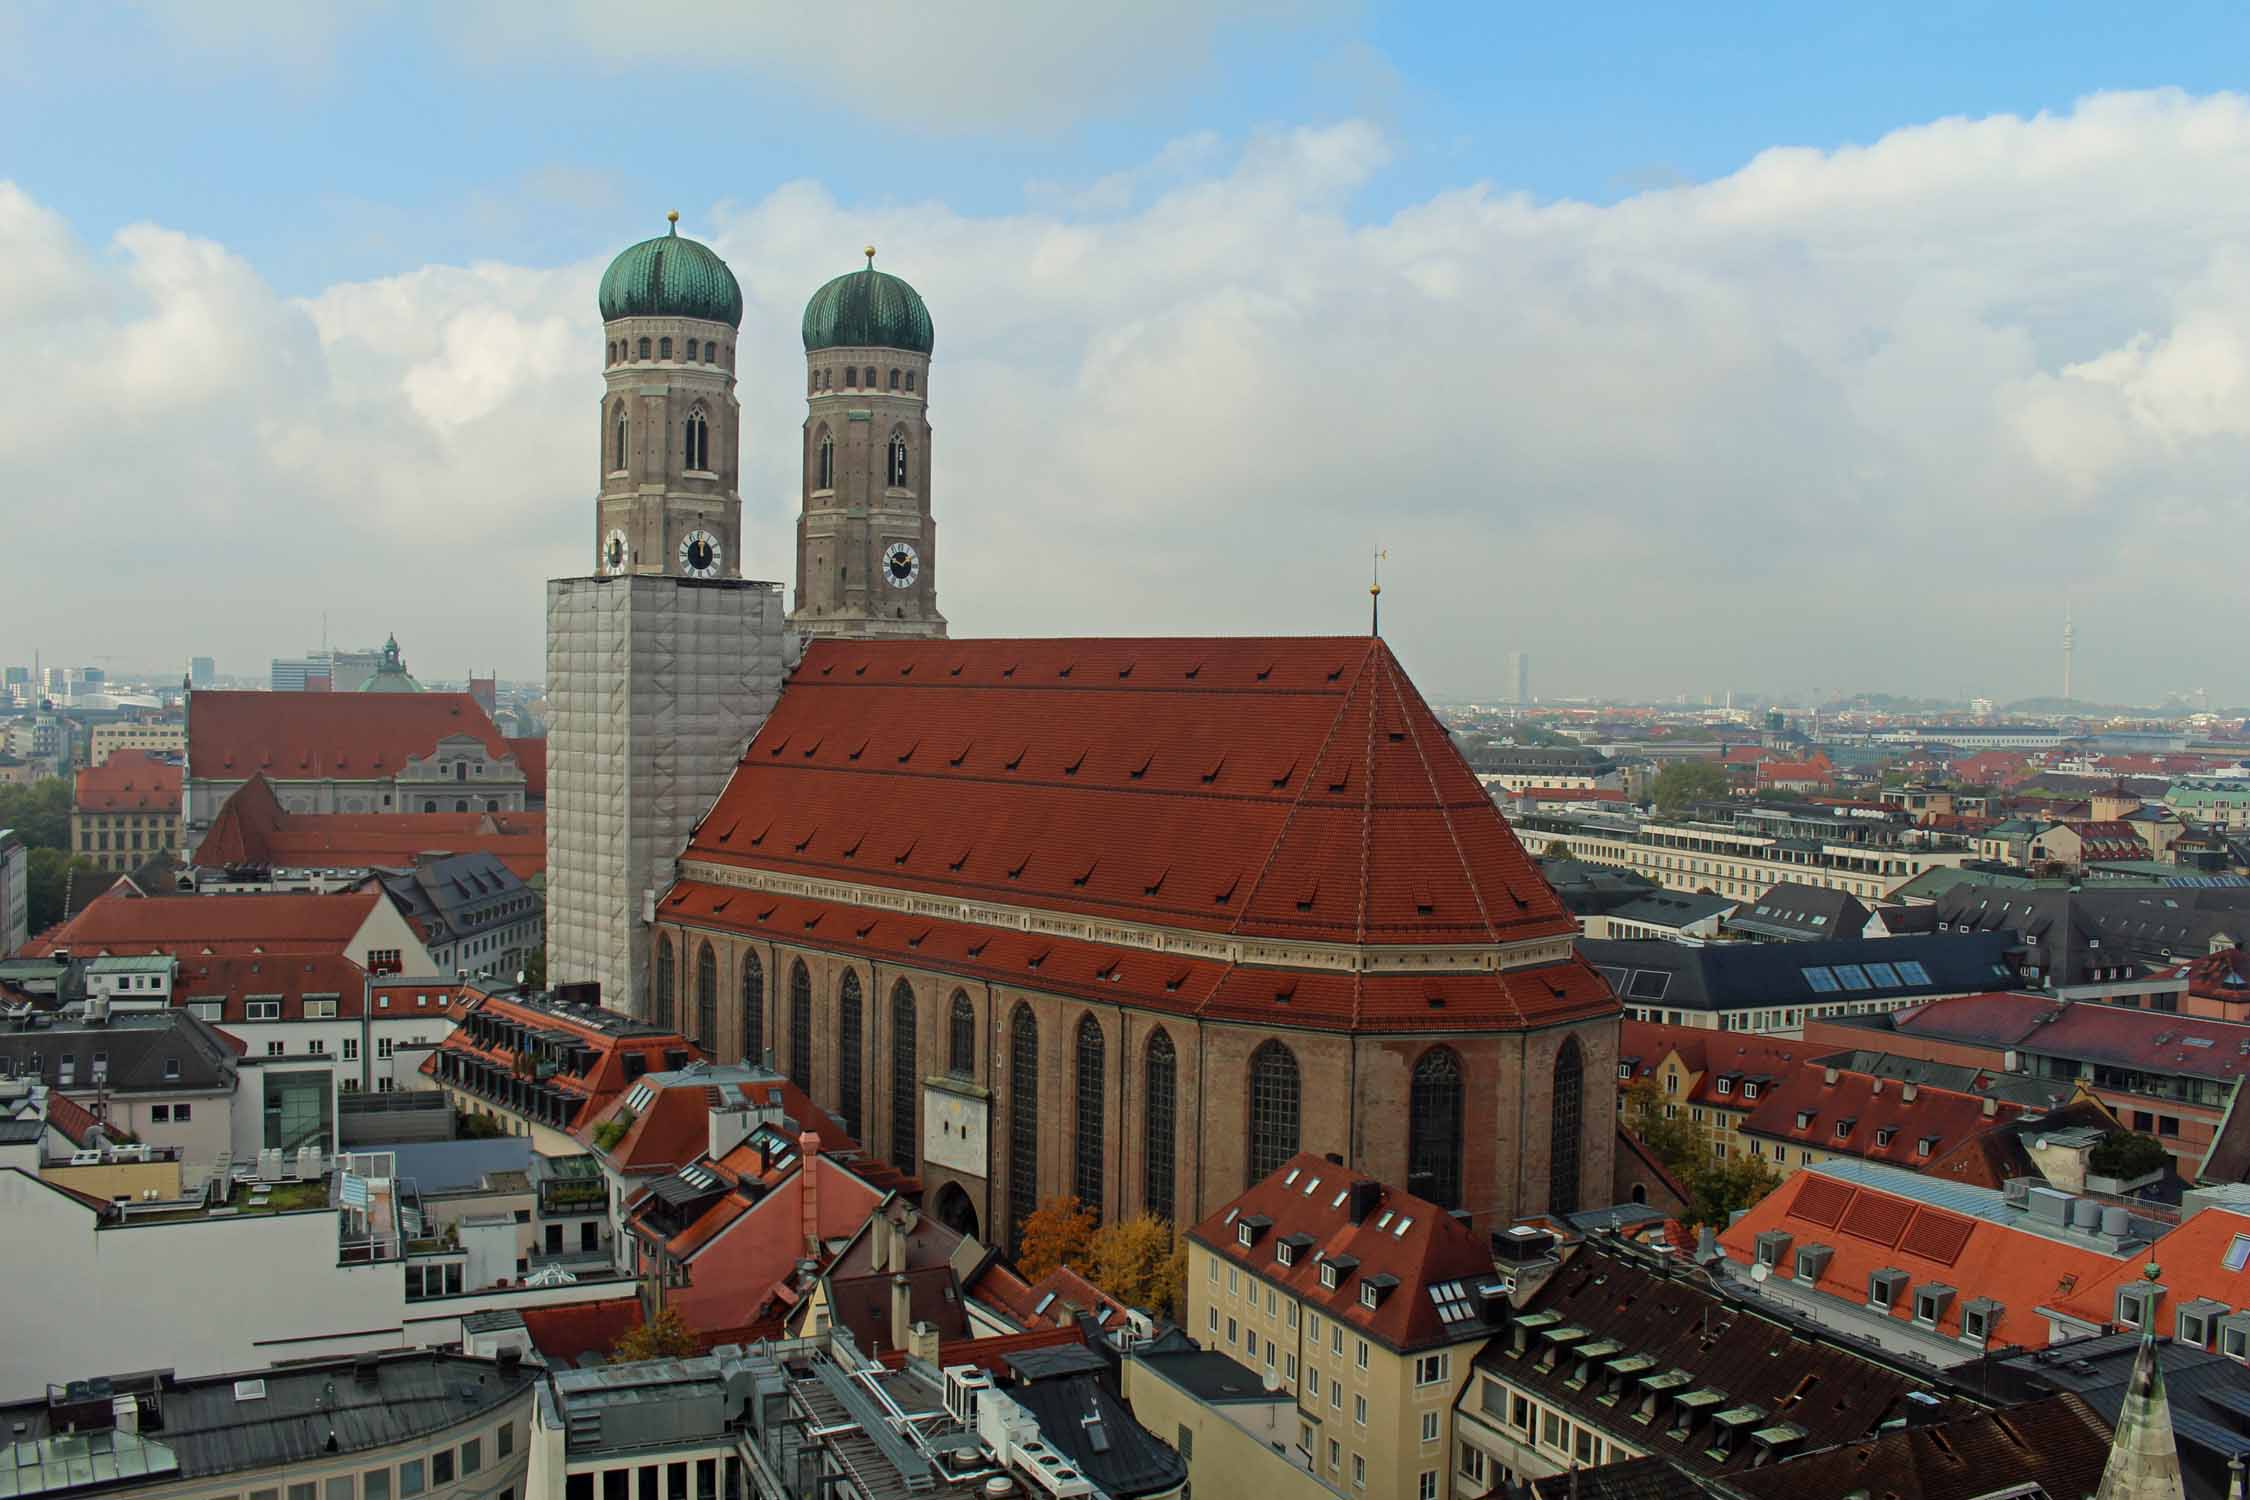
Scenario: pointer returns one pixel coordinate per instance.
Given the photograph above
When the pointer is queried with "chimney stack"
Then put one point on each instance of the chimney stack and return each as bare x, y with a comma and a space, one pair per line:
922, 1341
902, 1307
1991, 1106
808, 1189
1906, 1092
1365, 1195
1828, 1077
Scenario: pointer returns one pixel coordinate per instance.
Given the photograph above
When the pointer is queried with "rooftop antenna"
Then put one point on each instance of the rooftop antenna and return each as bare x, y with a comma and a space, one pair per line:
2070, 644
1375, 593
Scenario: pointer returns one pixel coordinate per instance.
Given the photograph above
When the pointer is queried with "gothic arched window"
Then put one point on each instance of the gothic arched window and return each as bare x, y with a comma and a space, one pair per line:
1092, 1065
707, 999
609, 354
905, 1084
663, 348
894, 380
753, 1009
1023, 1119
1563, 1129
622, 429
812, 382
1160, 1087
825, 474
663, 1011
851, 377
1433, 1128
800, 1026
898, 462
910, 380
848, 1081
691, 348
698, 445
961, 1038
1274, 1109
644, 348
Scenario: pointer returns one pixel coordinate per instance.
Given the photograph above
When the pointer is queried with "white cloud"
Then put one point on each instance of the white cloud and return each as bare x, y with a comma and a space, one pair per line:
1862, 418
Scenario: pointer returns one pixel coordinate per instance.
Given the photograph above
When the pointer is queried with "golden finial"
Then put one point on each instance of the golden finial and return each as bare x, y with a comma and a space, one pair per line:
673, 219
1375, 593
869, 252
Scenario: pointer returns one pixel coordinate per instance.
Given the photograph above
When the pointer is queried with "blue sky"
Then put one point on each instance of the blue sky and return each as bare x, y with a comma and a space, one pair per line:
379, 141
1688, 348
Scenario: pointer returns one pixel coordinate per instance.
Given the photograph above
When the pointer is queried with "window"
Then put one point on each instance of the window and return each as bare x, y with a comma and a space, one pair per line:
1472, 1464
1211, 1317
1429, 1427
1359, 1410
851, 377
261, 1010
961, 1037
180, 1114
1433, 1128
273, 1049
662, 1015
410, 1478
850, 1084
1023, 1118
825, 474
663, 348
1273, 1109
910, 380
905, 1079
1250, 1345
707, 999
1564, 1129
1312, 1381
1425, 1487
897, 462
1289, 1364
800, 1026
1359, 1355
375, 1484
1234, 1330
696, 452
1359, 1471
339, 1488
1092, 1061
754, 1010
1160, 1093
1335, 1455
645, 347
503, 1440
1432, 1369
159, 1114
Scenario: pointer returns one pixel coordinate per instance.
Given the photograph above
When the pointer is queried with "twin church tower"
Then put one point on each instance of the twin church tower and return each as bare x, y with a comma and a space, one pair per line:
665, 660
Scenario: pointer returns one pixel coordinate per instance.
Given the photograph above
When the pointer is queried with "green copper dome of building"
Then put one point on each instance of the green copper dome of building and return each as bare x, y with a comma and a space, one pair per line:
671, 277
867, 309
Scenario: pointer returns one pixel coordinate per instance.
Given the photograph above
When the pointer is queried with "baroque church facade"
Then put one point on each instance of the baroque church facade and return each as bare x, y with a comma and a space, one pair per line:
1134, 920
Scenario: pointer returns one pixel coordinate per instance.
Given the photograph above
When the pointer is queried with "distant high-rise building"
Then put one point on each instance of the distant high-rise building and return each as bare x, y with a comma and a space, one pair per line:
289, 673
1516, 670
202, 671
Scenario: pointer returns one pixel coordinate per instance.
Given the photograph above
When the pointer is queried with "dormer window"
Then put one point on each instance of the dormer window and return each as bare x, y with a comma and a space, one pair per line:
1805, 1118
1930, 1302
1285, 1253
2135, 1302
1883, 1288
1811, 1261
1368, 1296
1772, 1246
1328, 1275
1844, 1129
1978, 1318
1726, 1085
1244, 1234
1749, 1091
1925, 1145
1883, 1134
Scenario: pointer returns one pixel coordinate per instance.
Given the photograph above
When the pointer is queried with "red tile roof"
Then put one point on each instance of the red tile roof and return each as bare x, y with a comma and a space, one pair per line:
123, 922
1868, 1108
1400, 1236
129, 781
323, 736
251, 827
598, 1088
567, 1332
1567, 989
531, 758
74, 1120
991, 1354
2114, 1035
1643, 1045
675, 1128
1870, 1230
1287, 788
2194, 1260
287, 977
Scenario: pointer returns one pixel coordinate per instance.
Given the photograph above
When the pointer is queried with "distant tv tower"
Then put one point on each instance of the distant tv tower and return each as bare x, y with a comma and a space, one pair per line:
2070, 645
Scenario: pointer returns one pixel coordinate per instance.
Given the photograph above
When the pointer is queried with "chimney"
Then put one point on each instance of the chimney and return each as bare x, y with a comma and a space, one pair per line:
902, 1305
922, 1341
1828, 1077
808, 1190
730, 1126
1907, 1091
1876, 1087
1365, 1195
1706, 1246
1991, 1106
900, 1229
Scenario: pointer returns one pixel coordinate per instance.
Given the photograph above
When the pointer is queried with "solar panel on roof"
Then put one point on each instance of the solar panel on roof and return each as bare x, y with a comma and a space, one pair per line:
1648, 984
1821, 979
1913, 973
1883, 975
1851, 976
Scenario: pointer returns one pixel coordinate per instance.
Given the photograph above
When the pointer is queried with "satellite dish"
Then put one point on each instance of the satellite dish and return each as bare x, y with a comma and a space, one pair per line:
1760, 1271
1272, 1381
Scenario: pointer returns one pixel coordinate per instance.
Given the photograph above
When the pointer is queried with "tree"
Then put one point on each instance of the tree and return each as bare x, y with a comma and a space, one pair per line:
535, 970
1676, 1142
662, 1337
1142, 1262
1721, 1189
47, 875
1059, 1232
1557, 849
39, 814
1686, 781
2128, 1154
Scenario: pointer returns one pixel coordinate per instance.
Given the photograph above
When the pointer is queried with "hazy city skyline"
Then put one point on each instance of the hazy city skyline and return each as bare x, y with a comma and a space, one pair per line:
1845, 387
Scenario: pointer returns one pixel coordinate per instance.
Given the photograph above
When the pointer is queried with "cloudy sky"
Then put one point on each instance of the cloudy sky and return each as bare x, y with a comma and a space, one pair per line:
1775, 353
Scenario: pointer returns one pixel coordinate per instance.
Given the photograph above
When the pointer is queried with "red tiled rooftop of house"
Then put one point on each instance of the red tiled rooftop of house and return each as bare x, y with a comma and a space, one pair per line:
1869, 1230
1398, 1236
252, 827
121, 921
673, 1128
1642, 1047
1226, 785
74, 1120
604, 1080
318, 736
1900, 1124
129, 781
286, 978
2207, 1257
991, 1354
2115, 1035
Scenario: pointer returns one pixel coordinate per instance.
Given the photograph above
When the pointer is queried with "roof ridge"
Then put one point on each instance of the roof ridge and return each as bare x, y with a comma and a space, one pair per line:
1304, 789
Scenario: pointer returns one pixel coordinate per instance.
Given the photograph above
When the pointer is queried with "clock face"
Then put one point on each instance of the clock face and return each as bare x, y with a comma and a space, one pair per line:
614, 552
901, 564
699, 555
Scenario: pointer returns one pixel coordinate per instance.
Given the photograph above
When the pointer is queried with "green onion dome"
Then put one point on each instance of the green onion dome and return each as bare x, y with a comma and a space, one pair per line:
867, 309
669, 277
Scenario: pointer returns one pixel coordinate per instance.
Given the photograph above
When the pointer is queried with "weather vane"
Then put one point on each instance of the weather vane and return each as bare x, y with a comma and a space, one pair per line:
1375, 592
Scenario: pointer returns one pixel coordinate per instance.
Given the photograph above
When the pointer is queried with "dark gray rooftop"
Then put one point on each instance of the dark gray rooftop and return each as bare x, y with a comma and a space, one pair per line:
1096, 1432
1736, 976
165, 1051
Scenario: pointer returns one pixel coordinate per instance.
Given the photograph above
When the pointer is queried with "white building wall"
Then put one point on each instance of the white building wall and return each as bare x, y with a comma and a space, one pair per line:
654, 686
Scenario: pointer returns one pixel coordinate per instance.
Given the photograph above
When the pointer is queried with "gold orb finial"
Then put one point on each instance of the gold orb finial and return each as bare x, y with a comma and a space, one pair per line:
1374, 588
869, 252
673, 217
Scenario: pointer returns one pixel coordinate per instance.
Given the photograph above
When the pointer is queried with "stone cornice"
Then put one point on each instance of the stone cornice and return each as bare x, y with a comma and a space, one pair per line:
1365, 958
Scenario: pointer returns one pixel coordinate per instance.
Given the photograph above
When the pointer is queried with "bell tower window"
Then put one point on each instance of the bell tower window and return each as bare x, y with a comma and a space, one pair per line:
898, 463
851, 377
692, 347
825, 475
698, 445
621, 430
664, 349
644, 348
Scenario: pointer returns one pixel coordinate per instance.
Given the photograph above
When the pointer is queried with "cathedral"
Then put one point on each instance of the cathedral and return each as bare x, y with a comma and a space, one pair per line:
1131, 919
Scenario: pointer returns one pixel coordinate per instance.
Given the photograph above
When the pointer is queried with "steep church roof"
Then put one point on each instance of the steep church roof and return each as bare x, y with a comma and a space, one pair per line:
867, 308
1287, 789
671, 277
